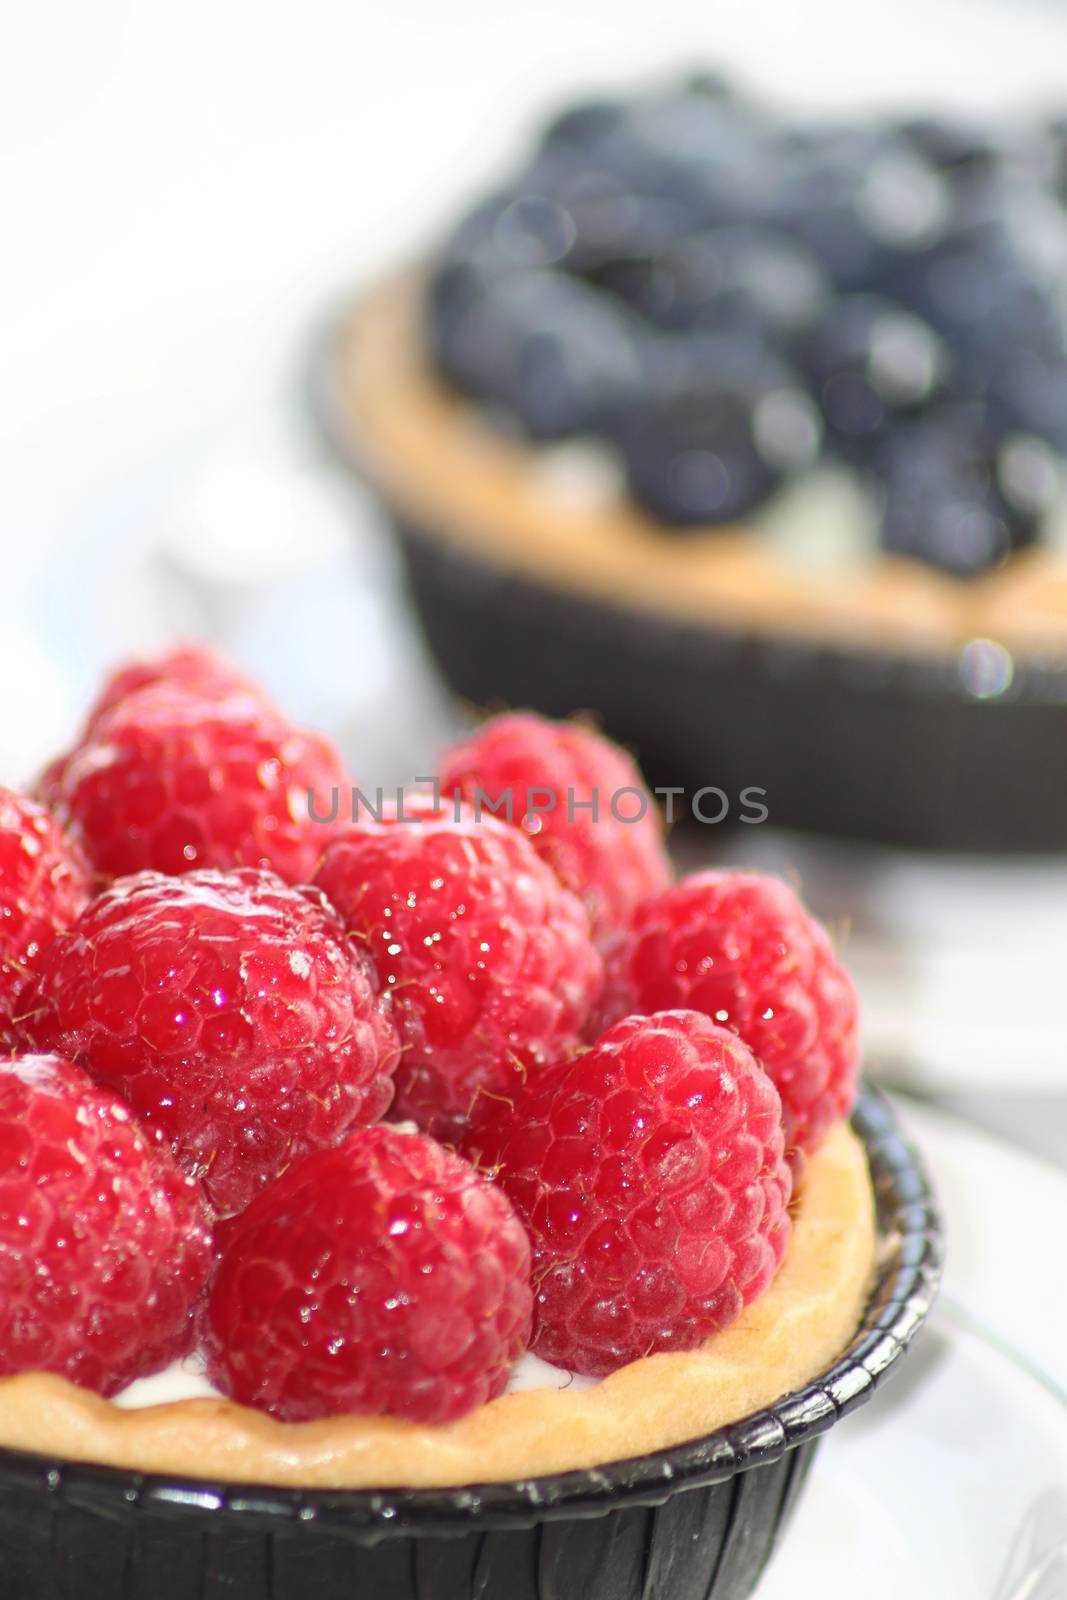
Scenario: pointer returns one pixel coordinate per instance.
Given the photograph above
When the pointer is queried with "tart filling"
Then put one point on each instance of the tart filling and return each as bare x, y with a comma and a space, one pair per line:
784, 1339
558, 514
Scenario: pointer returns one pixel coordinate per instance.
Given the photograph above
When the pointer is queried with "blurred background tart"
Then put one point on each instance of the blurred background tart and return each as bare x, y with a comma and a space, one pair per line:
751, 433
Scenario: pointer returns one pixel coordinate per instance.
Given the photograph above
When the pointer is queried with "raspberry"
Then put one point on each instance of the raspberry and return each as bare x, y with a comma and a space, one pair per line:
384, 1276
105, 1248
44, 883
651, 1176
742, 948
487, 956
193, 666
230, 1012
609, 862
172, 780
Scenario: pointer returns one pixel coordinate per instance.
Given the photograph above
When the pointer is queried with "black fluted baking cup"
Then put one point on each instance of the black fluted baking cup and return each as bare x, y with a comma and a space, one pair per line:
856, 741
695, 1522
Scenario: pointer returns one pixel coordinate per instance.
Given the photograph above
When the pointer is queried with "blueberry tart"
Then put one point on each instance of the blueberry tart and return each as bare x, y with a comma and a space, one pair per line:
749, 434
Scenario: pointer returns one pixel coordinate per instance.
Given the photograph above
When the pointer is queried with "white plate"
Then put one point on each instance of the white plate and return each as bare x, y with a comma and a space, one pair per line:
953, 1481
950, 1485
1004, 1215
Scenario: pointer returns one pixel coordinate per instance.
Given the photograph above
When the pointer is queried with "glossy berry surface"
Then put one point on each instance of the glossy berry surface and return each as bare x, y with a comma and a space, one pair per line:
230, 1012
963, 150
871, 364
559, 356
193, 666
487, 957
719, 424
612, 858
725, 280
945, 499
173, 781
741, 948
105, 1248
383, 1276
650, 1173
44, 884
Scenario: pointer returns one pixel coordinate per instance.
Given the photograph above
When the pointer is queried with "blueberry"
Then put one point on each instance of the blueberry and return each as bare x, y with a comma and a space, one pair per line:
659, 267
686, 156
611, 217
1052, 156
870, 363
943, 498
985, 303
579, 126
850, 195
675, 164
557, 355
721, 152
695, 128
726, 279
1028, 392
815, 202
719, 423
515, 228
712, 85
957, 149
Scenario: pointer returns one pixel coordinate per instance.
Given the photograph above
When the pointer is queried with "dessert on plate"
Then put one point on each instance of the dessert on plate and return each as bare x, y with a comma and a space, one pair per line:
768, 406
392, 1219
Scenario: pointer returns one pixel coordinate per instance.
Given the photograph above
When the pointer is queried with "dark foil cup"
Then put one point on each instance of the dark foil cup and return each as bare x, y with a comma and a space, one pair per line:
858, 742
696, 1522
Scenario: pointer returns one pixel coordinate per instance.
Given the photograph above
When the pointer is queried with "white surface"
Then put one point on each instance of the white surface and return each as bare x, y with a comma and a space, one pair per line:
1004, 1216
951, 1484
953, 1481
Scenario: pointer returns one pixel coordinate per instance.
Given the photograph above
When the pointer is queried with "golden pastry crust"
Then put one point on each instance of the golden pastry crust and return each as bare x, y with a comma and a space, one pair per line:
786, 1338
454, 476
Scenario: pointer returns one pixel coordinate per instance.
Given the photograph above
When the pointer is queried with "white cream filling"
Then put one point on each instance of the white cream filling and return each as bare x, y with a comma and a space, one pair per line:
823, 521
187, 1380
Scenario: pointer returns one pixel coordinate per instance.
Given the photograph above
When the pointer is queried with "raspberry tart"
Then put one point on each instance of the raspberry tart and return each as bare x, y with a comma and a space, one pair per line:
724, 424
364, 1232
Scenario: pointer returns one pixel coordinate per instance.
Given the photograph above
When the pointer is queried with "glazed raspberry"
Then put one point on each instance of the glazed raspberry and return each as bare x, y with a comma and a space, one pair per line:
231, 1013
44, 883
487, 956
105, 1248
611, 858
384, 1276
741, 947
172, 780
651, 1176
193, 666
